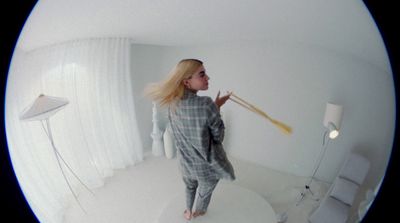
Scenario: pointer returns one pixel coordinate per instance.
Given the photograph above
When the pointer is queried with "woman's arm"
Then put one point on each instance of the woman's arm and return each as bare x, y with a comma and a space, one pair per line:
215, 123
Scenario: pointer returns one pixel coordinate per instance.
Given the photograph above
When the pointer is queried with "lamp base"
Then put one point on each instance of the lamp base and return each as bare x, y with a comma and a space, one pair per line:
304, 193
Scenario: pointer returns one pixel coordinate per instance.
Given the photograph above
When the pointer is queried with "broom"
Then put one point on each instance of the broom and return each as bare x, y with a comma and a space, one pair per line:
283, 127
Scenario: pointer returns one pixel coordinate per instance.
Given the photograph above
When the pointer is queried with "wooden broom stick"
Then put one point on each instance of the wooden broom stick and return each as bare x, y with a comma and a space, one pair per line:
283, 127
243, 105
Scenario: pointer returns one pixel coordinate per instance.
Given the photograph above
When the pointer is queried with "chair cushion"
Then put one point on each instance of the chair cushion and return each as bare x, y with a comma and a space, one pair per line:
330, 211
344, 190
355, 168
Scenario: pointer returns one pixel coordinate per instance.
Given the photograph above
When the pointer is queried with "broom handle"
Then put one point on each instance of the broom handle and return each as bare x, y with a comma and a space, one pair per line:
245, 106
259, 111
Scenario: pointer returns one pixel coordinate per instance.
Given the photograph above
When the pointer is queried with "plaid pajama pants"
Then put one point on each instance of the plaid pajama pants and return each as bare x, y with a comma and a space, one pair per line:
204, 191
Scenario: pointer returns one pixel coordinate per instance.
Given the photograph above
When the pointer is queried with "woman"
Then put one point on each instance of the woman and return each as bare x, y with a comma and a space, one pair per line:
198, 131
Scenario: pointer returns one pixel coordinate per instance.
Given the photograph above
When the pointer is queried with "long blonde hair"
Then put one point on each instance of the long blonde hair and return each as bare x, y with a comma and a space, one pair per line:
171, 90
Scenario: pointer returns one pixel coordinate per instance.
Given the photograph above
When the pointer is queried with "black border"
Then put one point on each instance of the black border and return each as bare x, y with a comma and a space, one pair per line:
386, 18
14, 205
16, 209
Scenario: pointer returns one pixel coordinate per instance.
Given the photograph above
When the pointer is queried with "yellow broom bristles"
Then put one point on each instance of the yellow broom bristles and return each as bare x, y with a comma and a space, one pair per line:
283, 127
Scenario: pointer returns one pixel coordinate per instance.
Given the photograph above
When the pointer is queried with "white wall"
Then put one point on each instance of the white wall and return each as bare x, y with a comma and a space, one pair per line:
147, 66
292, 83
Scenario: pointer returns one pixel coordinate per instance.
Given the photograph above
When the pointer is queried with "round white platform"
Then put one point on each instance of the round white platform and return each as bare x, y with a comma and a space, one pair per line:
229, 203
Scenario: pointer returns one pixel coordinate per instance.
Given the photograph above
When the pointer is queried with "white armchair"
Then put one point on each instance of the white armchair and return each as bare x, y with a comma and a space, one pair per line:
335, 206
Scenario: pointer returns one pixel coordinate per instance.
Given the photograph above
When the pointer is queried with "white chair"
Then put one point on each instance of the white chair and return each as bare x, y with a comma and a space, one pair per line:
335, 206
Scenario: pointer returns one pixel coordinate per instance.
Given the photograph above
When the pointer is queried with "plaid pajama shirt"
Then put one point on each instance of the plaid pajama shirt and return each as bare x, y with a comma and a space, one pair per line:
199, 131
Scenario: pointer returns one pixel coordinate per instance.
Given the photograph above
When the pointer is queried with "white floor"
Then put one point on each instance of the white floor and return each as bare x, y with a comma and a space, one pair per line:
249, 207
139, 194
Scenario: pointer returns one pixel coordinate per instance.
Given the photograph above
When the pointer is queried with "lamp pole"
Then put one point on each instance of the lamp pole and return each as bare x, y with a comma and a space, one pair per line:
58, 157
307, 186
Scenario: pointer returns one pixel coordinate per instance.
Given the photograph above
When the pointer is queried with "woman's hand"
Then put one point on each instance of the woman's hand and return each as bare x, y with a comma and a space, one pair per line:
219, 101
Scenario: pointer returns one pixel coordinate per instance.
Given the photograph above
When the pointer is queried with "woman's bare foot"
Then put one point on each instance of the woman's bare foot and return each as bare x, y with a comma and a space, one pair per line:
198, 213
187, 214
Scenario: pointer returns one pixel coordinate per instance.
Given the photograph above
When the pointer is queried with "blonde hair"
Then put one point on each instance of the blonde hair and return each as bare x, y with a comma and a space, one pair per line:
171, 90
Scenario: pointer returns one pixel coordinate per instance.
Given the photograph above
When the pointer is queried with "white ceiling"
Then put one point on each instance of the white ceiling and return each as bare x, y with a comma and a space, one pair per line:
340, 25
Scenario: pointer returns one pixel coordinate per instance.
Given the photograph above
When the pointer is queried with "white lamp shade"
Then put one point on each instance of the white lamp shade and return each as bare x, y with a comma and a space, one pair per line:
333, 119
333, 113
43, 107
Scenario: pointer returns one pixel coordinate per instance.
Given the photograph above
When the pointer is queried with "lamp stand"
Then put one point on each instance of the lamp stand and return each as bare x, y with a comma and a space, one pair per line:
307, 186
59, 157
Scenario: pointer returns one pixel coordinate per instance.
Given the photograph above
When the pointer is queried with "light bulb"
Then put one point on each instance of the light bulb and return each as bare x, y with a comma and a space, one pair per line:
333, 134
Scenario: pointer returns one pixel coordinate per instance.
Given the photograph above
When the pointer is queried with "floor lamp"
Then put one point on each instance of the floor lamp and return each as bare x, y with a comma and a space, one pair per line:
332, 121
41, 110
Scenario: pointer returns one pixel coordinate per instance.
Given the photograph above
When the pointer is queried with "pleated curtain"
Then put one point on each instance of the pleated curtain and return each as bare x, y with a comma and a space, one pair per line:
96, 133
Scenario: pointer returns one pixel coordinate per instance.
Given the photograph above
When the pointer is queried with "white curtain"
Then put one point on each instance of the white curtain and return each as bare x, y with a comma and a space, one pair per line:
97, 131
